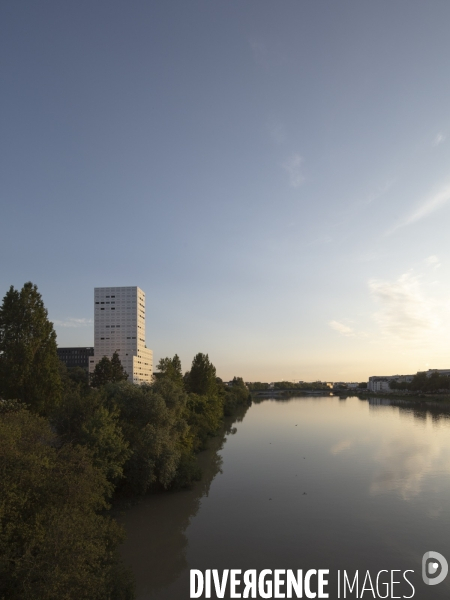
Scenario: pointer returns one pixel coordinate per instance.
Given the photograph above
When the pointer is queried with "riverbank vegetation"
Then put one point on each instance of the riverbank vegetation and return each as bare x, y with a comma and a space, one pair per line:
422, 383
69, 449
258, 386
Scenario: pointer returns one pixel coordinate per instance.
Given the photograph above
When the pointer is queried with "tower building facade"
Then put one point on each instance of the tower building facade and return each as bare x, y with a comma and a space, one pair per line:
119, 326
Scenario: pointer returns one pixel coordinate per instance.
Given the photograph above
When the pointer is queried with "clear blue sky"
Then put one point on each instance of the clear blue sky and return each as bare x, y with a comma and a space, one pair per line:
275, 176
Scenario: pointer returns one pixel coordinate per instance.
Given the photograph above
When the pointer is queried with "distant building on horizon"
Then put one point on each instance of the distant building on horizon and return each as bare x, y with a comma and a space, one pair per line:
380, 383
119, 326
76, 356
441, 372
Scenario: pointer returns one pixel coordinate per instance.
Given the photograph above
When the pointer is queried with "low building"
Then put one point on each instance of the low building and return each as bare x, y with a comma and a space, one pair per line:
380, 383
75, 357
441, 372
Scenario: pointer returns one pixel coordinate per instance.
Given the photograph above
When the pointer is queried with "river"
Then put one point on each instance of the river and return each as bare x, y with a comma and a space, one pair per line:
306, 483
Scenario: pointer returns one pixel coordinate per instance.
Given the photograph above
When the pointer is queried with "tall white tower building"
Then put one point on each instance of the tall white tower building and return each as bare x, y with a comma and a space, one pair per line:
119, 326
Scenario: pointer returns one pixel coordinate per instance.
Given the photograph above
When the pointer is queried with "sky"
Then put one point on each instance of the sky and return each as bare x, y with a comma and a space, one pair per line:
274, 176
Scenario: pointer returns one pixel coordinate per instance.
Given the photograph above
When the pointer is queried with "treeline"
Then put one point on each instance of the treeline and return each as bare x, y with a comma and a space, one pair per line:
258, 386
67, 449
422, 383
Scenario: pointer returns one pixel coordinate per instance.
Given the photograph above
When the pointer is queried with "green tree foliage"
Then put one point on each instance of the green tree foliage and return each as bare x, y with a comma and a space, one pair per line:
78, 375
153, 424
170, 368
55, 543
201, 379
118, 373
308, 385
258, 386
84, 418
423, 383
108, 371
236, 394
73, 377
102, 373
205, 405
29, 365
204, 416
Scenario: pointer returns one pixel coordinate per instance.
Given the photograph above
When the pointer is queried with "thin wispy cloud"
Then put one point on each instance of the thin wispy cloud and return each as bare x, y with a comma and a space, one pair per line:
433, 262
72, 322
432, 203
379, 192
440, 137
341, 328
405, 312
293, 167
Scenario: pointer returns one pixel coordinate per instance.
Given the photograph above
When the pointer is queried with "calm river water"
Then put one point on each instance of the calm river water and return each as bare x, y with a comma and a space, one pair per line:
305, 483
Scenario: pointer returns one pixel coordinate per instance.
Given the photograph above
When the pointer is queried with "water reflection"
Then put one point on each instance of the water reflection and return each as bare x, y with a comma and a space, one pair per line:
404, 464
341, 446
417, 407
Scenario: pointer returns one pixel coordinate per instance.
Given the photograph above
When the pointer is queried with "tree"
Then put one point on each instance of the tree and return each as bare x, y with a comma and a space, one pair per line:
202, 377
258, 386
118, 373
153, 424
102, 373
170, 368
29, 364
235, 394
419, 382
55, 540
78, 376
84, 418
108, 371
205, 407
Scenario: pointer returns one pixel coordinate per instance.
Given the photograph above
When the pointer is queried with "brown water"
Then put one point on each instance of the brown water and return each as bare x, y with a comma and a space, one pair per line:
305, 483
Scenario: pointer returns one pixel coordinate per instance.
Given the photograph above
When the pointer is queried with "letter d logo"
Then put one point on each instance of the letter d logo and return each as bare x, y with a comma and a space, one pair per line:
434, 568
